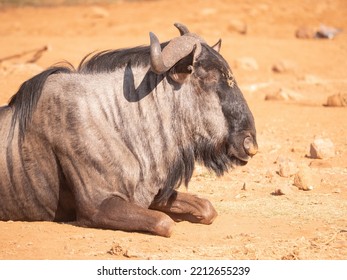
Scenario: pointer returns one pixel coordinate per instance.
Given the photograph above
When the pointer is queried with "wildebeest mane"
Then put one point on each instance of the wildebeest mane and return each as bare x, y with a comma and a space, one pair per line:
25, 100
214, 157
180, 172
109, 60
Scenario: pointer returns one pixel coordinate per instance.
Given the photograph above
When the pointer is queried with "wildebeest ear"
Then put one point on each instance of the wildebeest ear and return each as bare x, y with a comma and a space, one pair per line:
217, 45
182, 70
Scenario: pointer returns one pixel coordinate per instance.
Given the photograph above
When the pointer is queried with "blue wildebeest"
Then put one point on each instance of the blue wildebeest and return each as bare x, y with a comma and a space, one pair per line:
108, 144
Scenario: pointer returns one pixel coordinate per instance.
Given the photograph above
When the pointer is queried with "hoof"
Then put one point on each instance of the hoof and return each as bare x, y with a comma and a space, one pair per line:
209, 214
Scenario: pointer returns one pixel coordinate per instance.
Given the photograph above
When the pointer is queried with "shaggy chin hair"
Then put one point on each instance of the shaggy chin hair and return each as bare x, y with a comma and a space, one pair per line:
214, 157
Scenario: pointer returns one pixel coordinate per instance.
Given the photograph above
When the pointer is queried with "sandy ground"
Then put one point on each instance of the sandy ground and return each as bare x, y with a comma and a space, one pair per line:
253, 222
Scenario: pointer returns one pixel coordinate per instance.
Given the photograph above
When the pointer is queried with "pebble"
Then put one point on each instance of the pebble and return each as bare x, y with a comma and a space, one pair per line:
336, 190
327, 32
284, 94
304, 32
323, 32
287, 168
283, 66
278, 192
246, 63
337, 100
311, 79
322, 148
241, 195
304, 179
237, 26
116, 250
283, 190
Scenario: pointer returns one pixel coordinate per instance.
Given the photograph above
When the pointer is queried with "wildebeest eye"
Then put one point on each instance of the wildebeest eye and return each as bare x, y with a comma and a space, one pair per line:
208, 77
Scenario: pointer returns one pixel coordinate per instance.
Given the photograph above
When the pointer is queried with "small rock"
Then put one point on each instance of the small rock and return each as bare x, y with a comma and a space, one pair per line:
283, 66
304, 32
284, 94
311, 79
287, 168
337, 100
116, 250
129, 255
336, 190
246, 63
238, 26
241, 195
326, 32
304, 179
322, 148
323, 32
98, 12
278, 192
283, 190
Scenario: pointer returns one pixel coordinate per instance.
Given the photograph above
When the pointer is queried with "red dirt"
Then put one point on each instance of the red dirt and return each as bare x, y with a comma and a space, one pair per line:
252, 223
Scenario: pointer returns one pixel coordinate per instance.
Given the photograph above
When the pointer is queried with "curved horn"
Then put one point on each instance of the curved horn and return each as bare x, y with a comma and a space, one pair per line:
157, 61
175, 50
182, 28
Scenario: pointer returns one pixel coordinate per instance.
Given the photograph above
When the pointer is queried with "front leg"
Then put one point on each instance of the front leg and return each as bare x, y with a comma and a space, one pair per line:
116, 213
184, 206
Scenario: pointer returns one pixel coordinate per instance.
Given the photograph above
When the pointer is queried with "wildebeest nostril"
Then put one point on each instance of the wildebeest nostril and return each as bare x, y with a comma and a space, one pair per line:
251, 148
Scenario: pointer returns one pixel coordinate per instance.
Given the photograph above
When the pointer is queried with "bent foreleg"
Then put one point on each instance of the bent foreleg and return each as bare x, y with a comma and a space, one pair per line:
184, 206
116, 213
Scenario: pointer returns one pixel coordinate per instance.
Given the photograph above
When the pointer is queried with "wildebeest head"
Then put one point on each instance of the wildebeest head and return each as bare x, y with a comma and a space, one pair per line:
228, 137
